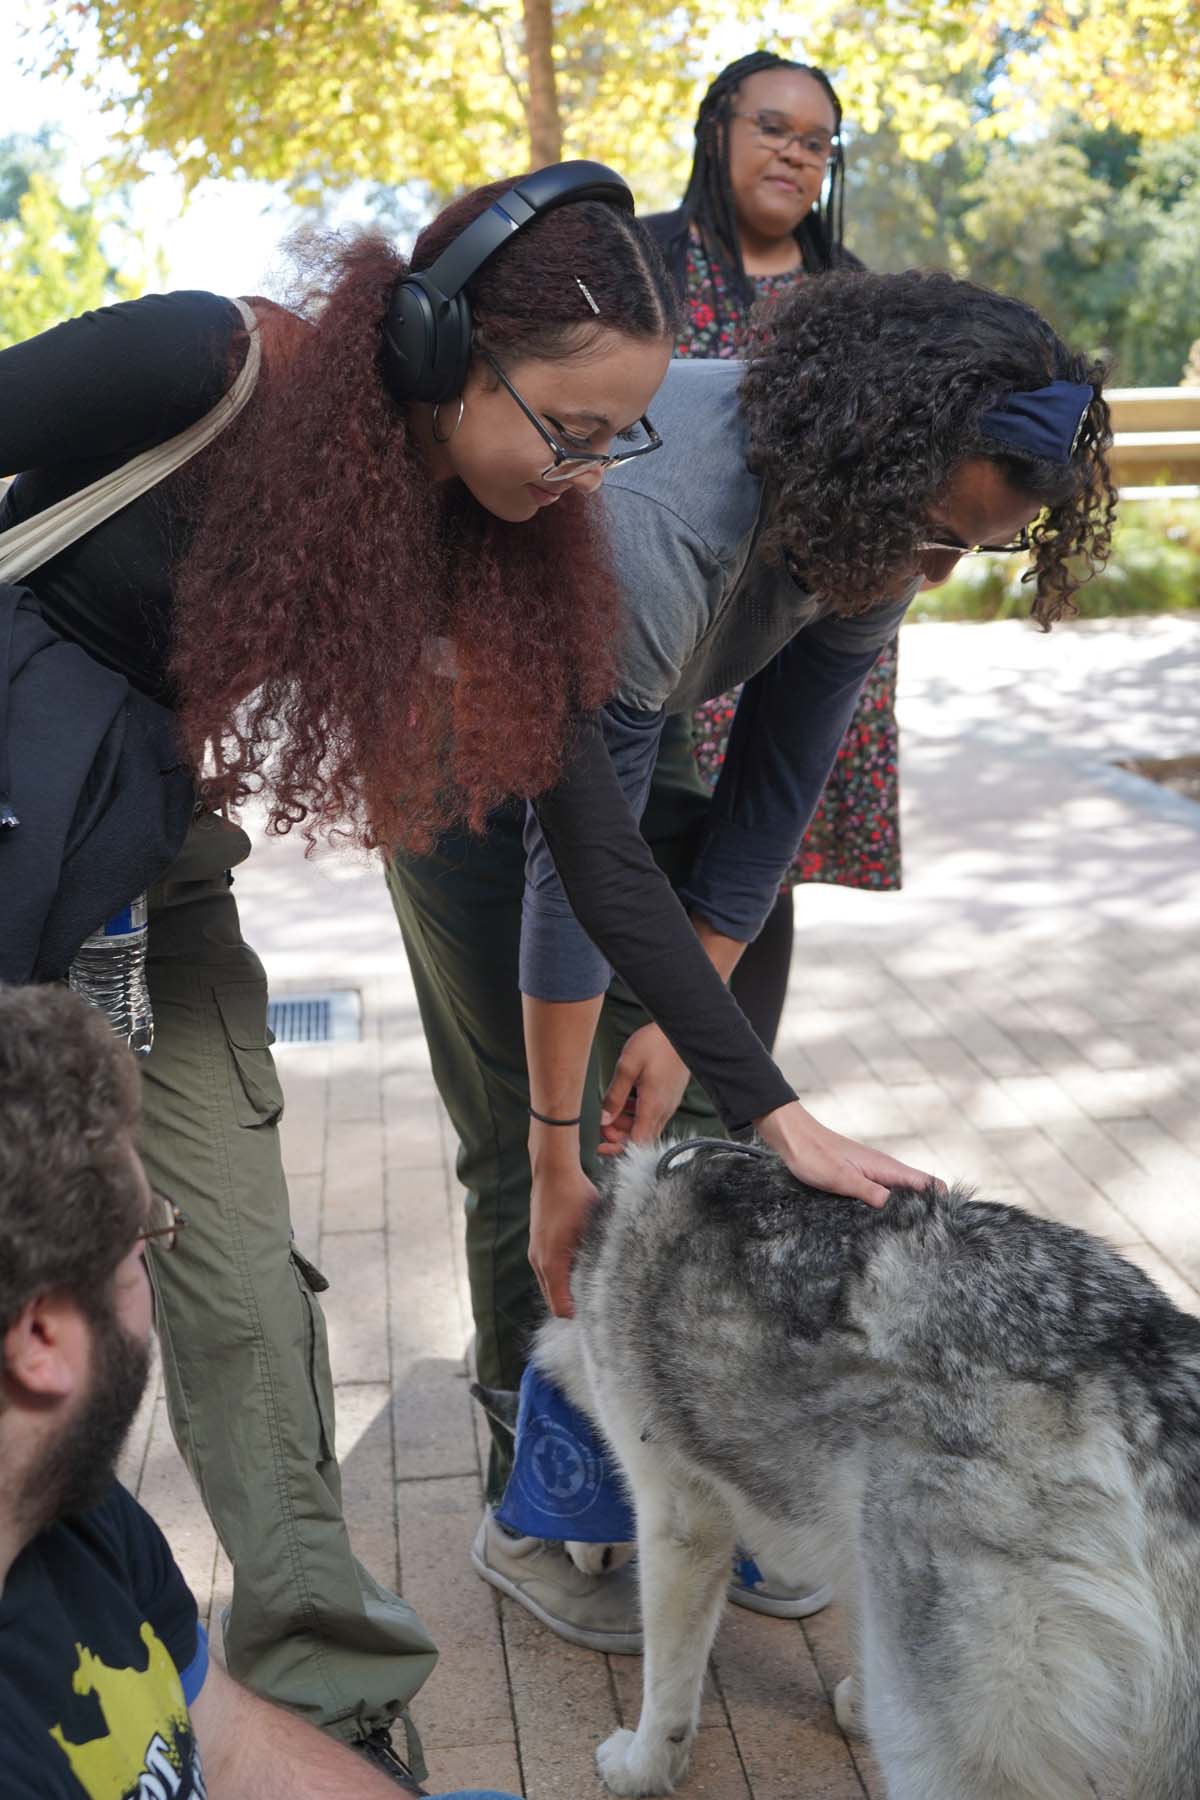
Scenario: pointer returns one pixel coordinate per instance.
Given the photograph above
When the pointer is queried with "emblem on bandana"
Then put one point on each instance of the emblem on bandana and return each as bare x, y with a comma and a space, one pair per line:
560, 1474
564, 1483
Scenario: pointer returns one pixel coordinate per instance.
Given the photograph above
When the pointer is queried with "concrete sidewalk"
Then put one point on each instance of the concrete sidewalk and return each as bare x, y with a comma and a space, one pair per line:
1025, 1015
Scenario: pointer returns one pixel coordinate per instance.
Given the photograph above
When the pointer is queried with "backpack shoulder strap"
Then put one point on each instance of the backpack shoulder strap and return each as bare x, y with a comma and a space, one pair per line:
28, 545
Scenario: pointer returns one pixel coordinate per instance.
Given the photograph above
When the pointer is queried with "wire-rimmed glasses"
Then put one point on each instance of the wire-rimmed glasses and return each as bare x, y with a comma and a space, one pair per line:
938, 557
1019, 545
568, 463
163, 1225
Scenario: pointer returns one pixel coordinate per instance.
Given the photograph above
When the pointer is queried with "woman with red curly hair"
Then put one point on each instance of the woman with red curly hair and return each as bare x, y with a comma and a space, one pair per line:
301, 595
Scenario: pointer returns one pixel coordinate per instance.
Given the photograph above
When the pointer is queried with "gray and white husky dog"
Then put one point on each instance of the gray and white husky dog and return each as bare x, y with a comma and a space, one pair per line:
981, 1427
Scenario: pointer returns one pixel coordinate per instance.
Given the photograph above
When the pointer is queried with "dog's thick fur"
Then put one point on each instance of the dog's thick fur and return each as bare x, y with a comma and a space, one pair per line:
983, 1428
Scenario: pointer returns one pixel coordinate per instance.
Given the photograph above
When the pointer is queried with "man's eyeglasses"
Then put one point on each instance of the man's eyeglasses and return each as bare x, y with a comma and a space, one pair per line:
569, 463
774, 132
164, 1224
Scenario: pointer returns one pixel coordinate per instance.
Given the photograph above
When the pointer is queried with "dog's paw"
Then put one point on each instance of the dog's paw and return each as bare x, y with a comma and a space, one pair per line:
599, 1559
627, 1768
846, 1708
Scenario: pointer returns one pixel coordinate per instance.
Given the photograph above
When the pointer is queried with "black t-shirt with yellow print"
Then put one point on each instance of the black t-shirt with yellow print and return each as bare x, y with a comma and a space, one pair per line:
101, 1653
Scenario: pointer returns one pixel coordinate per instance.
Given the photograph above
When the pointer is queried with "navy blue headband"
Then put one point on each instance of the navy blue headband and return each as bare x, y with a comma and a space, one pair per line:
1044, 423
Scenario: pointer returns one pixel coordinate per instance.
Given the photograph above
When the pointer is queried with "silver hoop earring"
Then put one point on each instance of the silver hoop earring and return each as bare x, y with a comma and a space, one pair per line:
437, 435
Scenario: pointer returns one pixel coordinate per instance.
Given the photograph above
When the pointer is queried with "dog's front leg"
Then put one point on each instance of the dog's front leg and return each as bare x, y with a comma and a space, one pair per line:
685, 1544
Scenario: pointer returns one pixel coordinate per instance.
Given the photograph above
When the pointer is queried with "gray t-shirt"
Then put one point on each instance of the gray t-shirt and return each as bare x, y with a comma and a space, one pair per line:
705, 612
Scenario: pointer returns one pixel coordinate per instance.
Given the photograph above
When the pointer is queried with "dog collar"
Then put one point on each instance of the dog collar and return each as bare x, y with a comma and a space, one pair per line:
700, 1145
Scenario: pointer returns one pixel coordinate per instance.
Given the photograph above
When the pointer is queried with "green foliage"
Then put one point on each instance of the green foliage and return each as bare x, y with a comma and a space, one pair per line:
1035, 220
57, 256
21, 157
1099, 230
1163, 315
1154, 567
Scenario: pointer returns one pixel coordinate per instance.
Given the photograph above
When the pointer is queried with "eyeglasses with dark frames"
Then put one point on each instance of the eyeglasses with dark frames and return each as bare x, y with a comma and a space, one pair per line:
1020, 546
164, 1225
774, 132
568, 463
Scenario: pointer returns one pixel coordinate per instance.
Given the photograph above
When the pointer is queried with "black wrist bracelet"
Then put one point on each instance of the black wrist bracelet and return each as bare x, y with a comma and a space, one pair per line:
543, 1120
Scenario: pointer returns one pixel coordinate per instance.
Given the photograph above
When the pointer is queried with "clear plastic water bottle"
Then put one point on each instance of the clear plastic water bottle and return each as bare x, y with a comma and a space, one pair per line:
109, 971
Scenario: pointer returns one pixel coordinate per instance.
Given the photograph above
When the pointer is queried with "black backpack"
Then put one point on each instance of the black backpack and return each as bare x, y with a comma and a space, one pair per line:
95, 801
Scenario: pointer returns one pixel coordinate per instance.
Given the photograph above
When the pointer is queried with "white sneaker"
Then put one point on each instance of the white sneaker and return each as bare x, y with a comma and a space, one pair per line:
597, 1612
760, 1593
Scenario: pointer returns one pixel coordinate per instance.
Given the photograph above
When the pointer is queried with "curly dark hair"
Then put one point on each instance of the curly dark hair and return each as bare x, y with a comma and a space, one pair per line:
865, 393
70, 1101
326, 565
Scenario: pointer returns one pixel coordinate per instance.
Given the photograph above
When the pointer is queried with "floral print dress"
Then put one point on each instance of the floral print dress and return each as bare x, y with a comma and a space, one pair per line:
854, 837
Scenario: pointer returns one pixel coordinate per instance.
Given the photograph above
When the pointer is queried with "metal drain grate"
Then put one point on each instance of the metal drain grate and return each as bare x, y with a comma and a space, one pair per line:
334, 1017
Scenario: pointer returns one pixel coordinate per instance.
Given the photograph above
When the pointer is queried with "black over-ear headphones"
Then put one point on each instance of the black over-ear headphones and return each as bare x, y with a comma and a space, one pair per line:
427, 331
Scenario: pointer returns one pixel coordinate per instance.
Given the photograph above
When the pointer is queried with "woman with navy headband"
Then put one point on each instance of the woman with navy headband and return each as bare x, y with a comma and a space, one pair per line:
881, 428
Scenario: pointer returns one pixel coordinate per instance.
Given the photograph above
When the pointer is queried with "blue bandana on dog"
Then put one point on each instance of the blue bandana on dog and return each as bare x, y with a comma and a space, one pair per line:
1045, 423
565, 1481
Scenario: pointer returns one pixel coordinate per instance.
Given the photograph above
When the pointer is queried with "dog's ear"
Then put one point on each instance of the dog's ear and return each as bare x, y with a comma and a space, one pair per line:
500, 1405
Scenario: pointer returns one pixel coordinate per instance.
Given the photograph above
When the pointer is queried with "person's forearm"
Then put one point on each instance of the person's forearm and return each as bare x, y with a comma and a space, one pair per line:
289, 1759
626, 905
558, 1043
252, 1750
650, 1077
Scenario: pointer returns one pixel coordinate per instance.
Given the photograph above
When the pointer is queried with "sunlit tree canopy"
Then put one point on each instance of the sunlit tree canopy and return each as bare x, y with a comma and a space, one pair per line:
320, 93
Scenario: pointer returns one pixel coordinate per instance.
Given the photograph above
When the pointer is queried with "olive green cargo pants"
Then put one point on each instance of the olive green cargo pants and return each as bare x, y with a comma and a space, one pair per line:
243, 1339
460, 912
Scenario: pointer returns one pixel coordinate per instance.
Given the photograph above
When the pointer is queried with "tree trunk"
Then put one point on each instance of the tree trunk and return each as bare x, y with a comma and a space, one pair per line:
541, 98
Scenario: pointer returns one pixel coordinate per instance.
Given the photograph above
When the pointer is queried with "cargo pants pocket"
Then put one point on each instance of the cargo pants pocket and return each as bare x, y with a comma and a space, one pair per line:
311, 1282
253, 1081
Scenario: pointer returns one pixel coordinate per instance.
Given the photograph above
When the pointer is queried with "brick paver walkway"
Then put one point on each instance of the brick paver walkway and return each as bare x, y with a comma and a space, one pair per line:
1025, 1015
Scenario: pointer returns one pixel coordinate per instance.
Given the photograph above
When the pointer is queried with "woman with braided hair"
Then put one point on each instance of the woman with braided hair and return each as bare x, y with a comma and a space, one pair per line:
764, 200
764, 210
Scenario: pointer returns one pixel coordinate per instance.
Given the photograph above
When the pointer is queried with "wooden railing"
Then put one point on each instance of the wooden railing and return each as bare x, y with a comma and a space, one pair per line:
1156, 436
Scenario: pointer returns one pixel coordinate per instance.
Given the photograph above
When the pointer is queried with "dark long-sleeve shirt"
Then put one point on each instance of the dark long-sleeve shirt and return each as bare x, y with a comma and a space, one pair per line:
77, 402
704, 612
